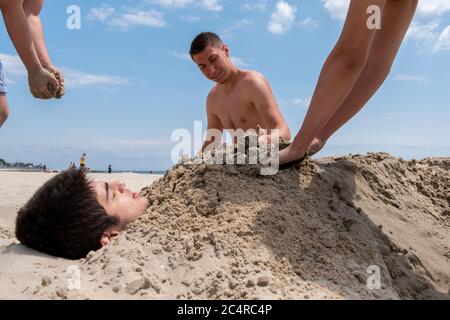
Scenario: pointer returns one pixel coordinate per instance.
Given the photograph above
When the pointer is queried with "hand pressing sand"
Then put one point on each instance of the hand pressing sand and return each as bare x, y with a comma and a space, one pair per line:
61, 90
43, 84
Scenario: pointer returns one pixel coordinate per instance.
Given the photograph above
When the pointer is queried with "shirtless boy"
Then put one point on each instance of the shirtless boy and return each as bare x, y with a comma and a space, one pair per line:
241, 99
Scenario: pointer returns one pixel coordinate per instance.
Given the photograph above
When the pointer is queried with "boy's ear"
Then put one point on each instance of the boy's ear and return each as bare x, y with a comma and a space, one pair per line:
107, 235
226, 50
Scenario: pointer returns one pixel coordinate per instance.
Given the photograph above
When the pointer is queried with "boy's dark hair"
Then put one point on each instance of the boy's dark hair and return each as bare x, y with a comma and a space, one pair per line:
203, 40
64, 218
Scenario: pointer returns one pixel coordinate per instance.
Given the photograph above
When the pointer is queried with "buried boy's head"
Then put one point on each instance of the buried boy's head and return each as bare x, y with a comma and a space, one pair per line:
70, 215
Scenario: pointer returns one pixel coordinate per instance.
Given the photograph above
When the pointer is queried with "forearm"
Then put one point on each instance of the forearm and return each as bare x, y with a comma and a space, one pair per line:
32, 10
19, 32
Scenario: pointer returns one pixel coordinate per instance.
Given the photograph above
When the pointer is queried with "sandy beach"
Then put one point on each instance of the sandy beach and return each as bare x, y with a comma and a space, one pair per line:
355, 227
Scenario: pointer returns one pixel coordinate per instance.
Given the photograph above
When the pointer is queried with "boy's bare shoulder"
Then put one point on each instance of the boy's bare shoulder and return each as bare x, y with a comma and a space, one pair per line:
212, 98
254, 79
213, 93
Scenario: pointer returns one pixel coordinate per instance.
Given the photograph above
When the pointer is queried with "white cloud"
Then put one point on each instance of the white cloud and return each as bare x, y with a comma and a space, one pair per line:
239, 62
409, 77
14, 68
301, 102
433, 7
77, 79
16, 72
425, 35
171, 3
150, 18
127, 19
309, 24
239, 25
211, 5
337, 8
190, 18
282, 19
182, 56
101, 14
443, 42
261, 6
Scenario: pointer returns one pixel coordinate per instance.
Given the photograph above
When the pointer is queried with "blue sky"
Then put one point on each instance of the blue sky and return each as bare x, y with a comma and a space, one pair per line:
130, 83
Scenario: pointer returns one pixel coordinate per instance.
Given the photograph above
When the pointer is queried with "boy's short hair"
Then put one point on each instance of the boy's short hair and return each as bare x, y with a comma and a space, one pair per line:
203, 40
64, 218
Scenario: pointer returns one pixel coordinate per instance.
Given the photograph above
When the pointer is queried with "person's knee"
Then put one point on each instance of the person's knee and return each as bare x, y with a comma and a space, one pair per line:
4, 113
3, 118
378, 71
33, 7
350, 59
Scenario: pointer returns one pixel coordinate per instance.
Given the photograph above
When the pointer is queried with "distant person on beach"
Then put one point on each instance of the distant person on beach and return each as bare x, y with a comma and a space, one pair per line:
109, 169
353, 72
83, 161
241, 99
25, 29
69, 216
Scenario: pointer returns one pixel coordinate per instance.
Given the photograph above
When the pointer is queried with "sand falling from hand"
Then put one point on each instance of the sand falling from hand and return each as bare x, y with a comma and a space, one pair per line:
309, 232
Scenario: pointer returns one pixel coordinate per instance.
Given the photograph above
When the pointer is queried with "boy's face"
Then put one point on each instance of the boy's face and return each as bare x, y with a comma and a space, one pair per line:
120, 202
214, 62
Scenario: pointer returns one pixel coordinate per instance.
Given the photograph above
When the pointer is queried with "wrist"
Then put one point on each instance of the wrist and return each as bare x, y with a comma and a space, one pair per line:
47, 64
35, 69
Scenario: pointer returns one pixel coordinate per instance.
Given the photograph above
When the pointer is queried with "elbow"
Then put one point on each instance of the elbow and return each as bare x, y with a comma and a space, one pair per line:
287, 135
284, 133
33, 7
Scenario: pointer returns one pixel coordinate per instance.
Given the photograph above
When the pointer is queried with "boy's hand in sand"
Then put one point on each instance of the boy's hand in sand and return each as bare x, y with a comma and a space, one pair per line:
59, 76
43, 84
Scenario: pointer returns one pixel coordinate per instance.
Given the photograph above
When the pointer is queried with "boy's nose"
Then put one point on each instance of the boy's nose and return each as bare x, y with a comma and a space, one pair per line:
211, 71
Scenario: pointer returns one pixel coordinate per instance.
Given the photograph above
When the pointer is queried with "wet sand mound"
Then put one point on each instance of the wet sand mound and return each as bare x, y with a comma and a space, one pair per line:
327, 229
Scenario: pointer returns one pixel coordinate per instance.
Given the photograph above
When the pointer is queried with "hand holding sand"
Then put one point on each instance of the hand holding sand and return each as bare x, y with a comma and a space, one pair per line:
43, 84
59, 76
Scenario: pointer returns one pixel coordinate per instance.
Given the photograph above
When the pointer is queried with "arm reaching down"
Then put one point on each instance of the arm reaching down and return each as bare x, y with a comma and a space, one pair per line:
40, 81
268, 109
32, 9
215, 127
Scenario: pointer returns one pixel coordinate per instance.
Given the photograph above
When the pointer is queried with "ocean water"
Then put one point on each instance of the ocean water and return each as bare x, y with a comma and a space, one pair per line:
130, 171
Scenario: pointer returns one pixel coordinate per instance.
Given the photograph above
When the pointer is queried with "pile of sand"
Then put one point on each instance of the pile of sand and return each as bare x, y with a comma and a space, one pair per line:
226, 232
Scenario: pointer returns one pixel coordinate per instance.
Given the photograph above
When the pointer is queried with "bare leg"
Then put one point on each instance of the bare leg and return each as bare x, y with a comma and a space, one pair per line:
4, 109
396, 18
339, 74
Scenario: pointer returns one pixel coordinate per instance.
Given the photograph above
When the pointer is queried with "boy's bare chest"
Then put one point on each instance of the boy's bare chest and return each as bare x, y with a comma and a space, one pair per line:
236, 111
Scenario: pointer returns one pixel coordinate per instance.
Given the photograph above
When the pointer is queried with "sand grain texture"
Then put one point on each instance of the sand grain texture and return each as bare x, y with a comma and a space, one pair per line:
225, 232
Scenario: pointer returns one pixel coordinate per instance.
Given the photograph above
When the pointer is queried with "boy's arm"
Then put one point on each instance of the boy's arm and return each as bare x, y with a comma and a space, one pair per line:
19, 32
267, 107
215, 127
32, 9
